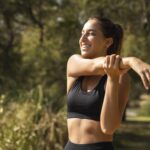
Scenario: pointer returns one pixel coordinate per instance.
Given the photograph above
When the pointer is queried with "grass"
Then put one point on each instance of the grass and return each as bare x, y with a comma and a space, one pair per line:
134, 134
139, 119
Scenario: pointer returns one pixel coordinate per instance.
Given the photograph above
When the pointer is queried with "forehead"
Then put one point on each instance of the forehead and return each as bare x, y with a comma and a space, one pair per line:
91, 25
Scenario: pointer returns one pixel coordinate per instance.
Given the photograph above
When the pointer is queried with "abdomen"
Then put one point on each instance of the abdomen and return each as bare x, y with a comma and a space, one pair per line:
84, 131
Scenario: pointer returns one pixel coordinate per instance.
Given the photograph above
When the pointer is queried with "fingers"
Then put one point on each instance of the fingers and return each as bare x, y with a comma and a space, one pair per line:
147, 73
107, 62
117, 61
112, 61
111, 65
147, 76
143, 70
144, 80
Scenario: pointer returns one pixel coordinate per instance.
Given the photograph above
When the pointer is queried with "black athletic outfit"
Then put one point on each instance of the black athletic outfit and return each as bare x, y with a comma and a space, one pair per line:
86, 105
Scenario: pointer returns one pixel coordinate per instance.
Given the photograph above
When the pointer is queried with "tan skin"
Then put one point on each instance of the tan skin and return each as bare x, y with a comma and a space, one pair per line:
93, 47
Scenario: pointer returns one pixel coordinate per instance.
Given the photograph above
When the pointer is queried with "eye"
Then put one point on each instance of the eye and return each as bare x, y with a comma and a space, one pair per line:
92, 33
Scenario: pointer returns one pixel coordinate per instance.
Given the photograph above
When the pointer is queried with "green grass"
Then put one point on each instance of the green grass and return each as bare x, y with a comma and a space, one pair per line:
139, 118
133, 136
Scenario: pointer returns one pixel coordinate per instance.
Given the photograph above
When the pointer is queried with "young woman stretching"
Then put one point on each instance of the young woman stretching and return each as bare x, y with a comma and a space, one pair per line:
98, 86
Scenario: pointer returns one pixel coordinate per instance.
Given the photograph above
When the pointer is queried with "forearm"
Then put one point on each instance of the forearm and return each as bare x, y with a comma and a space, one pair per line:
78, 66
128, 62
110, 116
98, 65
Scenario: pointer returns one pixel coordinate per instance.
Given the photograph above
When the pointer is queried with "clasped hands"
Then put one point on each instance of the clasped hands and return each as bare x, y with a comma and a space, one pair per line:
112, 67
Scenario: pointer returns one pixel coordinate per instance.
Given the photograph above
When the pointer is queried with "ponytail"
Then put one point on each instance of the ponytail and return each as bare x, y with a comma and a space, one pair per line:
117, 40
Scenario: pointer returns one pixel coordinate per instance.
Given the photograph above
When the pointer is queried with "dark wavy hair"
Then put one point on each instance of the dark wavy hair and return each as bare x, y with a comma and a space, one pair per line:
109, 29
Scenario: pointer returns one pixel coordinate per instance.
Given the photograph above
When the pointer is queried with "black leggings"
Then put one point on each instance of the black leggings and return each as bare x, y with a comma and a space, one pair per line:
91, 146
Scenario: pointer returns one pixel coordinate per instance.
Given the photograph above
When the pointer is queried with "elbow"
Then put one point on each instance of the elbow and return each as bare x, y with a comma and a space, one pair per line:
109, 130
71, 74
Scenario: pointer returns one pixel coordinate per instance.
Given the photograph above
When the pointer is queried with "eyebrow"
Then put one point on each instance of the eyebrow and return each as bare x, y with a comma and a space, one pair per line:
90, 30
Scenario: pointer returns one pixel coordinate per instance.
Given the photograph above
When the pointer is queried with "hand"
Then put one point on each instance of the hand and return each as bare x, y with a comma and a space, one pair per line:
111, 66
143, 70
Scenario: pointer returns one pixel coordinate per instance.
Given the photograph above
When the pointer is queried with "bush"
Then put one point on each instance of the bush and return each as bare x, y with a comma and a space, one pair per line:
29, 124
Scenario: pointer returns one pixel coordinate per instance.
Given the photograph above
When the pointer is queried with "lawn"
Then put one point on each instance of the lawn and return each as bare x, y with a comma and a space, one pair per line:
133, 134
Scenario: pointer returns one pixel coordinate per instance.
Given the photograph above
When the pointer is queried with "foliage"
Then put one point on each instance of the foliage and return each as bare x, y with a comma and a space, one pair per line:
144, 109
133, 135
37, 37
31, 125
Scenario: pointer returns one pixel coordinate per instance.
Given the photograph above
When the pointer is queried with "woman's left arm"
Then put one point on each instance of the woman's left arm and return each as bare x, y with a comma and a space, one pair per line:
116, 95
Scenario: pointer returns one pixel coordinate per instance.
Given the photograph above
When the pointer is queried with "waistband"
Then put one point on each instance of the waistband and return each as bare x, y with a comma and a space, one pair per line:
90, 145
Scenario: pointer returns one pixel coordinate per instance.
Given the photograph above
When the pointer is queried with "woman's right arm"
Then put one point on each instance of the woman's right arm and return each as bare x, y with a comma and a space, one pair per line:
141, 68
78, 66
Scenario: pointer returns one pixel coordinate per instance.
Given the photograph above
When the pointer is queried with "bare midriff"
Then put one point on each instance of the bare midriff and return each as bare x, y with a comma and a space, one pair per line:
84, 131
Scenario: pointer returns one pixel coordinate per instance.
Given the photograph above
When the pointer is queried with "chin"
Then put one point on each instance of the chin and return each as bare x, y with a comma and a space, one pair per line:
86, 55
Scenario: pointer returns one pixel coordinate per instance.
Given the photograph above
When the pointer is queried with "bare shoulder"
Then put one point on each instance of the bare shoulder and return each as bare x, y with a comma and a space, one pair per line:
70, 64
73, 58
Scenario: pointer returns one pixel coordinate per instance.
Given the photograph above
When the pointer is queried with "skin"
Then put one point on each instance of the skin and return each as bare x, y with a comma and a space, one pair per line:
94, 47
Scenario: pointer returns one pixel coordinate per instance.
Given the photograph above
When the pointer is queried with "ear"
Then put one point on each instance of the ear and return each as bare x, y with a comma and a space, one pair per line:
109, 42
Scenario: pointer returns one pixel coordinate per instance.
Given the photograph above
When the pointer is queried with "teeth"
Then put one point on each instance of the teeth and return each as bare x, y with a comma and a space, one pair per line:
86, 46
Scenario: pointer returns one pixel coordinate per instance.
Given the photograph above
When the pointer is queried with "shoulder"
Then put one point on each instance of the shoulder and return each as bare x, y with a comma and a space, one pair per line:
74, 56
72, 59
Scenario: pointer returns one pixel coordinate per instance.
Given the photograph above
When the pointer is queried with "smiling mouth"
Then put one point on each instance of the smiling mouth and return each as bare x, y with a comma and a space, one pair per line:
85, 46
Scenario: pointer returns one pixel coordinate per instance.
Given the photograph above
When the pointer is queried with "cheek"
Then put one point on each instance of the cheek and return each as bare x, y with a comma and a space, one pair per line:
100, 42
99, 45
80, 41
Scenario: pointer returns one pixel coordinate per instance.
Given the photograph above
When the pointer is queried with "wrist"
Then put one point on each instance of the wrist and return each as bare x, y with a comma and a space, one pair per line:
134, 60
114, 78
127, 62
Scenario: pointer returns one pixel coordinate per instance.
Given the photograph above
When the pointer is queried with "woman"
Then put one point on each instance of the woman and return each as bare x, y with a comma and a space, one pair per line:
98, 86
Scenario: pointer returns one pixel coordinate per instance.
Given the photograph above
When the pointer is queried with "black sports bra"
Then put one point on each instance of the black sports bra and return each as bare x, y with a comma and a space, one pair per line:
85, 105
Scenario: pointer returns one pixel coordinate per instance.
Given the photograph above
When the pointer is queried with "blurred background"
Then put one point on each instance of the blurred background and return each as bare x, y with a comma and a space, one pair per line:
36, 39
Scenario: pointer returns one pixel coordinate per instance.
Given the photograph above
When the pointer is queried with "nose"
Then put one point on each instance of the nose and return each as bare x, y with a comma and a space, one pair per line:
83, 37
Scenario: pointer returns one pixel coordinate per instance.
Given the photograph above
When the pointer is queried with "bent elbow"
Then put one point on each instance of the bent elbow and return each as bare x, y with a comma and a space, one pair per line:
108, 131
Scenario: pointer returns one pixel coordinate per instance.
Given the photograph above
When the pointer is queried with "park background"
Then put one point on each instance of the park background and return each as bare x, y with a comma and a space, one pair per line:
36, 39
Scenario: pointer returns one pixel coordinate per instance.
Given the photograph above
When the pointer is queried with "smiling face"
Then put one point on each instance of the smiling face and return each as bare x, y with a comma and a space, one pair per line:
92, 41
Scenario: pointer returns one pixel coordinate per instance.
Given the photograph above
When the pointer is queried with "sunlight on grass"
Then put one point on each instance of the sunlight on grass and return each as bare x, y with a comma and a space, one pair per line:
134, 134
138, 118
